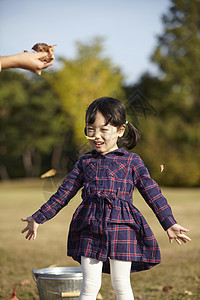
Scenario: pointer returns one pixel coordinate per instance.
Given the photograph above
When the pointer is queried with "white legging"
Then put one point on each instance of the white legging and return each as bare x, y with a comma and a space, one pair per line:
92, 273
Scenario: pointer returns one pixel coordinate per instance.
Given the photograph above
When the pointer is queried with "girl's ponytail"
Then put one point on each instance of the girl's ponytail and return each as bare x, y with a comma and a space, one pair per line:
130, 137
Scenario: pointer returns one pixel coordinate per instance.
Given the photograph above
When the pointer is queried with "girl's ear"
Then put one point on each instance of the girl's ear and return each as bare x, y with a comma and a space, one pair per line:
121, 130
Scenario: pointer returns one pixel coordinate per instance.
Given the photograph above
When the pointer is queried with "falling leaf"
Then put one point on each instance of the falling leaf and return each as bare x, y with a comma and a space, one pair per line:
49, 173
162, 166
197, 278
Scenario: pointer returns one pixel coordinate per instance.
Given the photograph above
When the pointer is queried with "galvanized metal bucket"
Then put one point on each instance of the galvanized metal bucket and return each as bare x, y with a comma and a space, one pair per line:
58, 283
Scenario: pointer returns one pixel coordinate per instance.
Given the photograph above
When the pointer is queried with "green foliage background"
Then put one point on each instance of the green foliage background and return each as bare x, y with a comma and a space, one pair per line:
42, 118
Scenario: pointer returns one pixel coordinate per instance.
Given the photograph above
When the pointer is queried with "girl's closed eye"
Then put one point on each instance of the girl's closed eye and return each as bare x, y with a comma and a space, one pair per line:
90, 129
104, 129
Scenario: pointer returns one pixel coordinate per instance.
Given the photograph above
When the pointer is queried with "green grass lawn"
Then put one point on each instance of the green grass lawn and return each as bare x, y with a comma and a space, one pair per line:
180, 268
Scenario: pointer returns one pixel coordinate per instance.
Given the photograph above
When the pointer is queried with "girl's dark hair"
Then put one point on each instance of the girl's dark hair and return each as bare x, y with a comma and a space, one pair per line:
114, 113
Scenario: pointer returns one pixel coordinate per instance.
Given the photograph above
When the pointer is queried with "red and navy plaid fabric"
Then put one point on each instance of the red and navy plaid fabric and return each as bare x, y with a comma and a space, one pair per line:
106, 224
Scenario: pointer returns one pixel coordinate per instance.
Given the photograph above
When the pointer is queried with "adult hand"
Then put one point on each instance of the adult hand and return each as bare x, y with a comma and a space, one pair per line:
28, 61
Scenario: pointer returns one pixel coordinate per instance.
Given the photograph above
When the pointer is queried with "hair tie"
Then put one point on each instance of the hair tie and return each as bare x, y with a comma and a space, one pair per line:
126, 122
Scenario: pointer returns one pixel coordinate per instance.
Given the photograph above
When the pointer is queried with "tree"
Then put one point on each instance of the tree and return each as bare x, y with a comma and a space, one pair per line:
83, 79
178, 57
173, 135
31, 123
12, 95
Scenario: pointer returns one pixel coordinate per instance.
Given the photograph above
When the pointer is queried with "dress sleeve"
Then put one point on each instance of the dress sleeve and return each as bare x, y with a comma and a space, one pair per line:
151, 192
66, 191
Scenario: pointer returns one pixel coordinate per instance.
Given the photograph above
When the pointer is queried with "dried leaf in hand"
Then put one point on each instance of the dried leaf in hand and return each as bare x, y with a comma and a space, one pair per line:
49, 173
162, 166
42, 47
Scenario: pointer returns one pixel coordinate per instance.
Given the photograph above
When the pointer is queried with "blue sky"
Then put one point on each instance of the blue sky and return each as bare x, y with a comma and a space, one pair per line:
129, 27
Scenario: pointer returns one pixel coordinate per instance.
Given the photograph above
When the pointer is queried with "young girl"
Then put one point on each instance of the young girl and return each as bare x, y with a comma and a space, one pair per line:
107, 232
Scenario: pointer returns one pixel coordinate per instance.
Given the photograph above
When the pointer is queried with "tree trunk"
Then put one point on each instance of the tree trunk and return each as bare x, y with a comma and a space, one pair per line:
3, 173
37, 163
27, 162
56, 157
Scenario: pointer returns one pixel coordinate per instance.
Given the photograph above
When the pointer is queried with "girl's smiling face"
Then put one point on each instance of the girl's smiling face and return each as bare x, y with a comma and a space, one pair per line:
103, 137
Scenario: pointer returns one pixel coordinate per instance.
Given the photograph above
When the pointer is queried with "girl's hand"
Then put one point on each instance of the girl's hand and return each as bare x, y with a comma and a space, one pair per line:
175, 232
31, 227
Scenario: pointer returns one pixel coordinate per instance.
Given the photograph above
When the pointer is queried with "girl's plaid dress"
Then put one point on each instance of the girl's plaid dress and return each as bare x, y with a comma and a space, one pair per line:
106, 224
